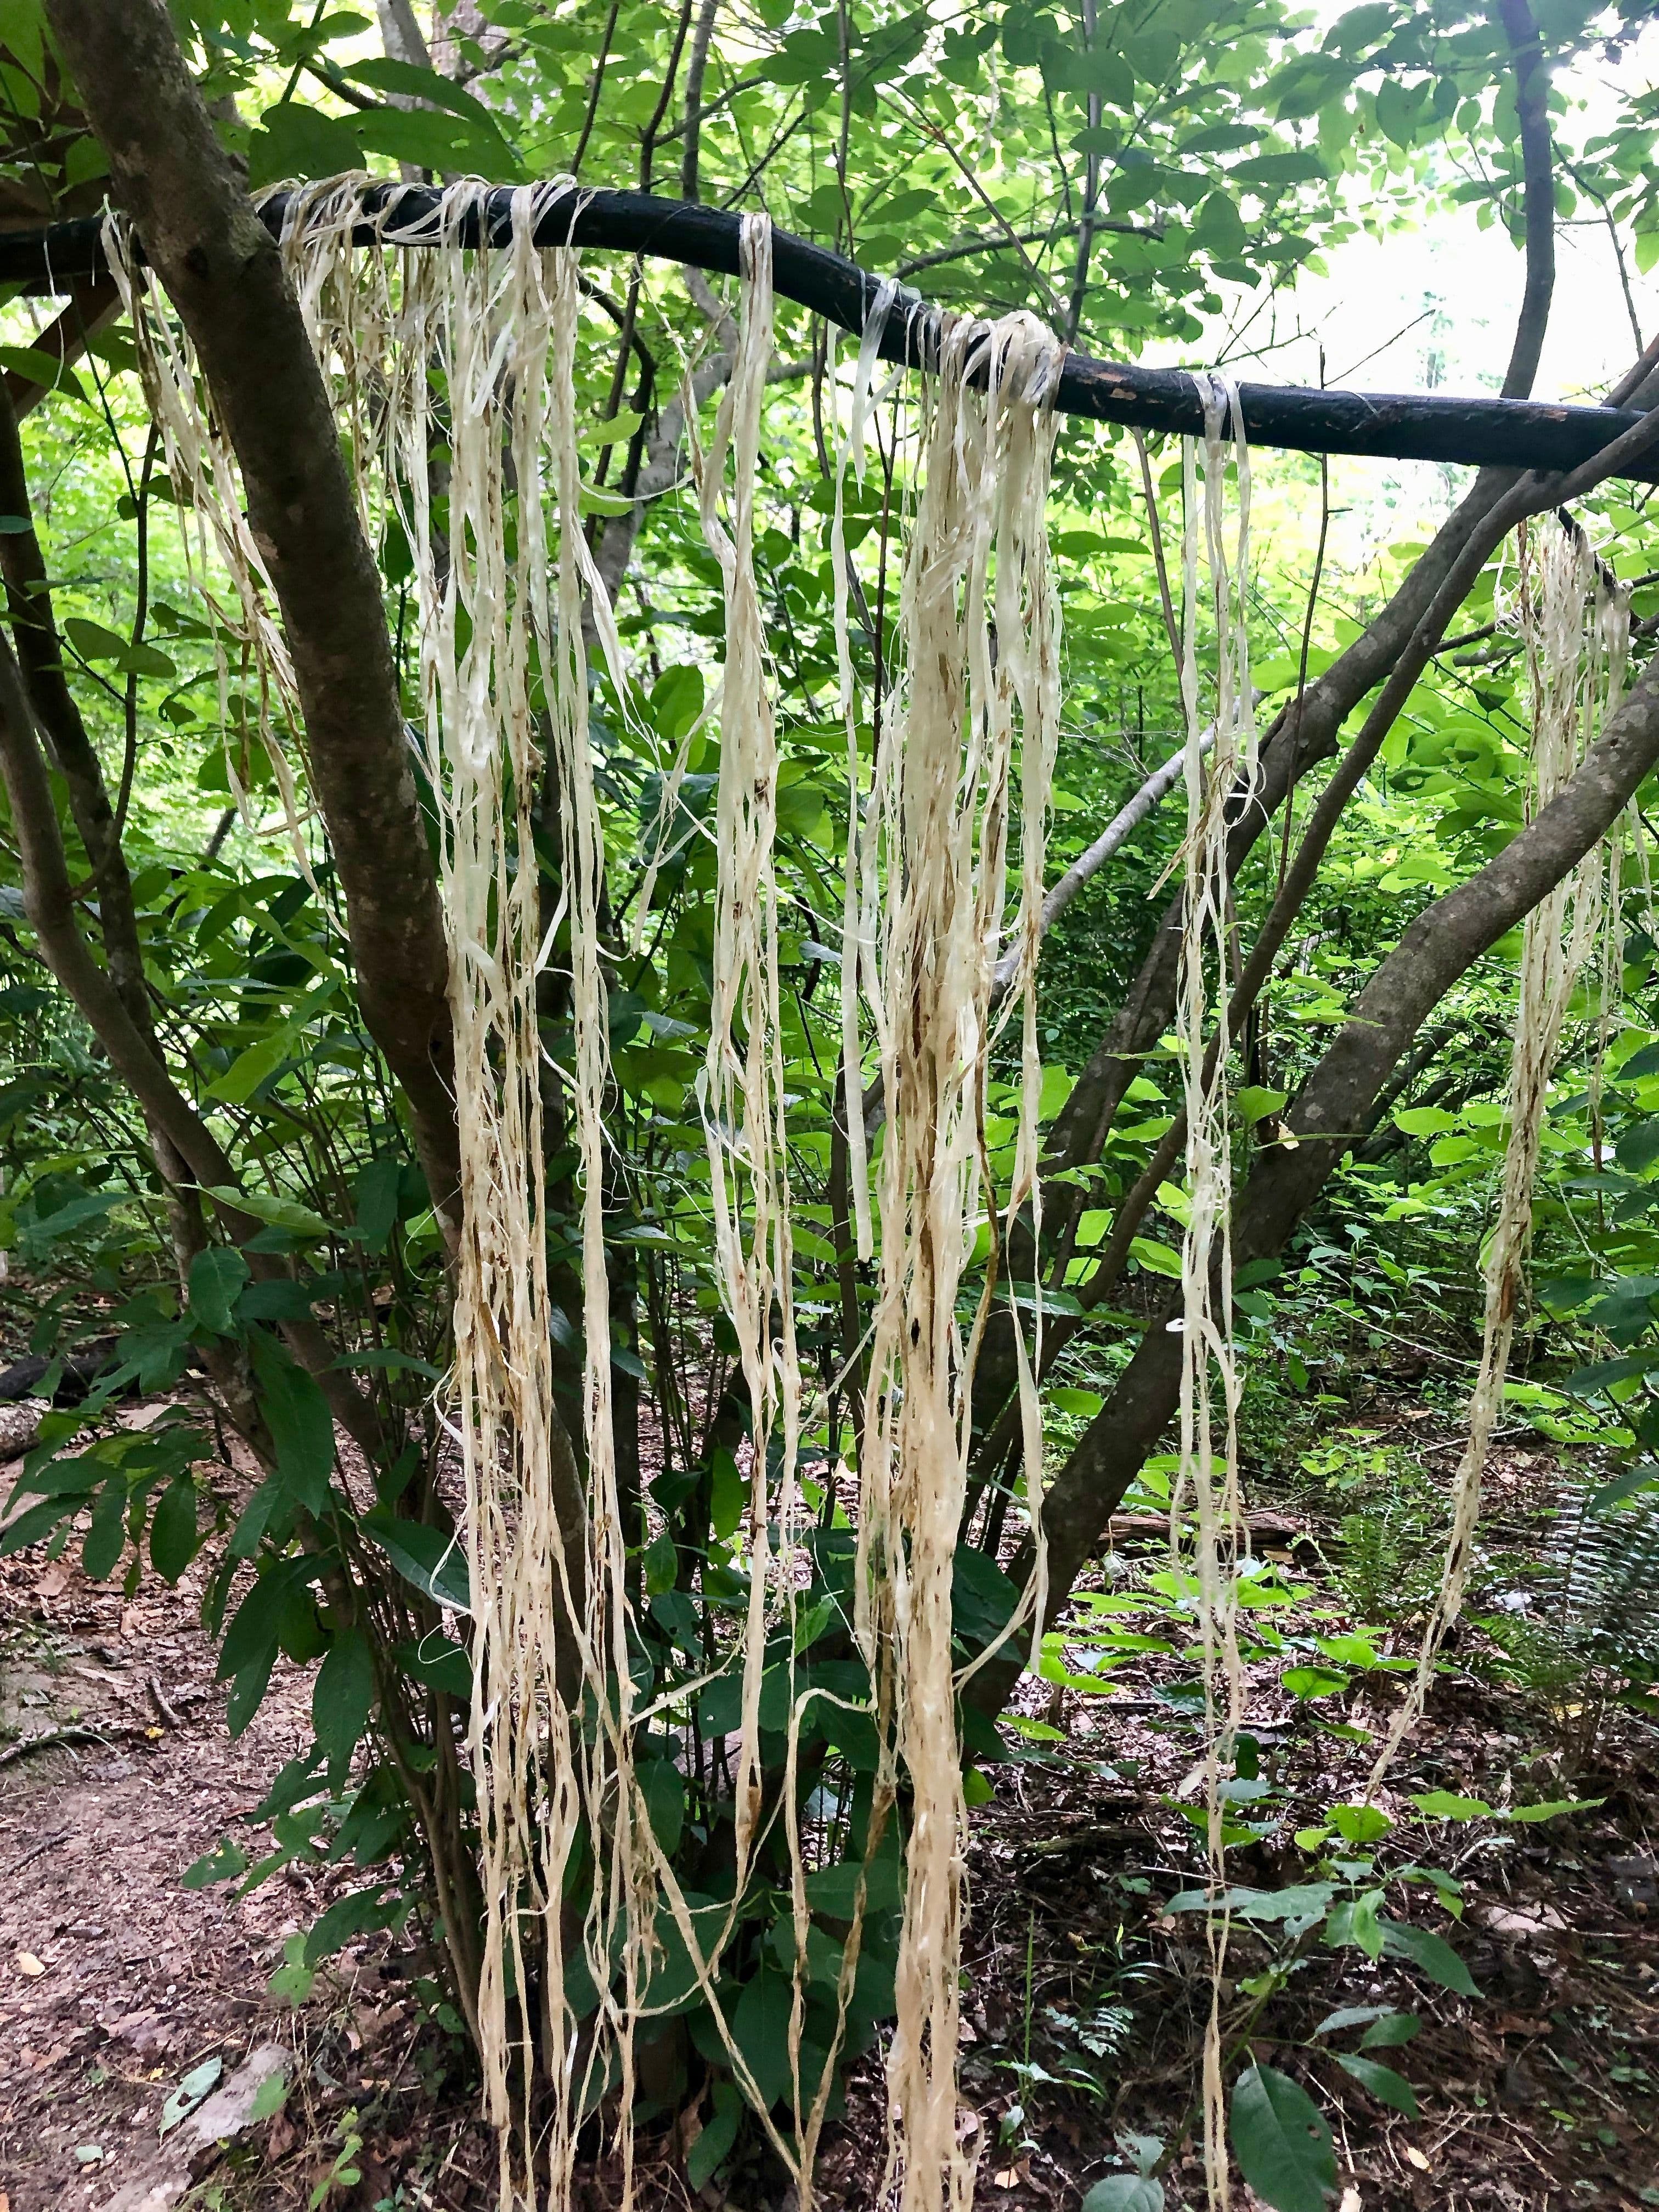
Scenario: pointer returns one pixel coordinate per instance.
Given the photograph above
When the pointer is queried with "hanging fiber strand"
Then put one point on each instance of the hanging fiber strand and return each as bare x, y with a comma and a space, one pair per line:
1210, 1383
203, 472
943, 796
551, 1731
1575, 669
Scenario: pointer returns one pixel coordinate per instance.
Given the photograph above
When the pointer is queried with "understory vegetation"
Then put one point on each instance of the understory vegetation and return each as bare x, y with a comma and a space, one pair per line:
1145, 179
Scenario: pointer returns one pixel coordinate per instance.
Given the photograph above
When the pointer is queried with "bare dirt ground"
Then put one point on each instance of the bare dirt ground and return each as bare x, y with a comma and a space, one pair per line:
117, 1983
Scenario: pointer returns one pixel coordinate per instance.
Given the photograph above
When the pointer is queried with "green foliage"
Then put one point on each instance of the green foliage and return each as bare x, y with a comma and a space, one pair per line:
1232, 145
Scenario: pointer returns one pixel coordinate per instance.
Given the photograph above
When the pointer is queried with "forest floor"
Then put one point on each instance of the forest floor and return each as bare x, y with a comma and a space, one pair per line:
1086, 1996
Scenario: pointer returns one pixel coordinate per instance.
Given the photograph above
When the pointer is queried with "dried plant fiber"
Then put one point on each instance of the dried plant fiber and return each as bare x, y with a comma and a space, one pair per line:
1217, 780
965, 752
1575, 632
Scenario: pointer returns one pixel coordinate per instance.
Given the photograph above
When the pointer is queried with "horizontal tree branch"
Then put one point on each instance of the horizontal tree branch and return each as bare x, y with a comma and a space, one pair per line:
1432, 427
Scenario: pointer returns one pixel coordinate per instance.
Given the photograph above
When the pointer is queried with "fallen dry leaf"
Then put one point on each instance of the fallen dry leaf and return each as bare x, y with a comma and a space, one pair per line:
26, 1963
1415, 2157
1350, 2200
53, 1583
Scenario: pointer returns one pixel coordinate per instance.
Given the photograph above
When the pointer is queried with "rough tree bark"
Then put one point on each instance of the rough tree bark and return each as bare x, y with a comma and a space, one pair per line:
221, 269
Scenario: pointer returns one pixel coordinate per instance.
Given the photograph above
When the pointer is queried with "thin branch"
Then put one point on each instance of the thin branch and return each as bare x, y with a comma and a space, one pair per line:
597, 87
696, 66
1532, 91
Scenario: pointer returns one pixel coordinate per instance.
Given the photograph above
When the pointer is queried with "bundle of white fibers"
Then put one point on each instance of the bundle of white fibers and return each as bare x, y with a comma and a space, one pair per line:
1209, 1373
203, 472
1558, 578
552, 1727
944, 790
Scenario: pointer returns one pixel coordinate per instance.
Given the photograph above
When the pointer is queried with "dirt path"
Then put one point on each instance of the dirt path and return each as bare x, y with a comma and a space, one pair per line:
115, 1982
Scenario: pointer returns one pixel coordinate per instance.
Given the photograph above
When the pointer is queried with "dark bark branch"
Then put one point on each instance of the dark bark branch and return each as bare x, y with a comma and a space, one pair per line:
1532, 90
1495, 433
220, 265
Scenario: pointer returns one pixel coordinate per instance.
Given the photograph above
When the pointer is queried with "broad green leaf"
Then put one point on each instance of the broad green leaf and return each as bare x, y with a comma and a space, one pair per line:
1281, 2141
376, 1191
1553, 1807
190, 2091
1443, 1805
385, 73
265, 1205
107, 1537
1125, 2192
174, 1541
216, 1277
250, 1069
301, 1426
432, 1561
728, 1496
1313, 1681
719, 2133
1391, 2088
1431, 1953
1391, 2031
226, 1863
342, 1698
37, 366
760, 2027
294, 141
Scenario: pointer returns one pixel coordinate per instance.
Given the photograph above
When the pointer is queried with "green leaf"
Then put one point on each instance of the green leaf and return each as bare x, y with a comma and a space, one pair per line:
429, 1559
389, 1357
719, 2134
1389, 2032
1442, 1805
174, 1541
1253, 1103
1313, 1681
301, 1426
728, 1495
106, 1538
432, 141
250, 1069
293, 141
355, 1915
1431, 1953
1125, 2192
1553, 1807
263, 1205
270, 2097
190, 2091
342, 1698
1281, 2141
384, 74
1360, 1824
760, 2027
1384, 2084
39, 366
377, 1190
224, 1864
1299, 1906
216, 1278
